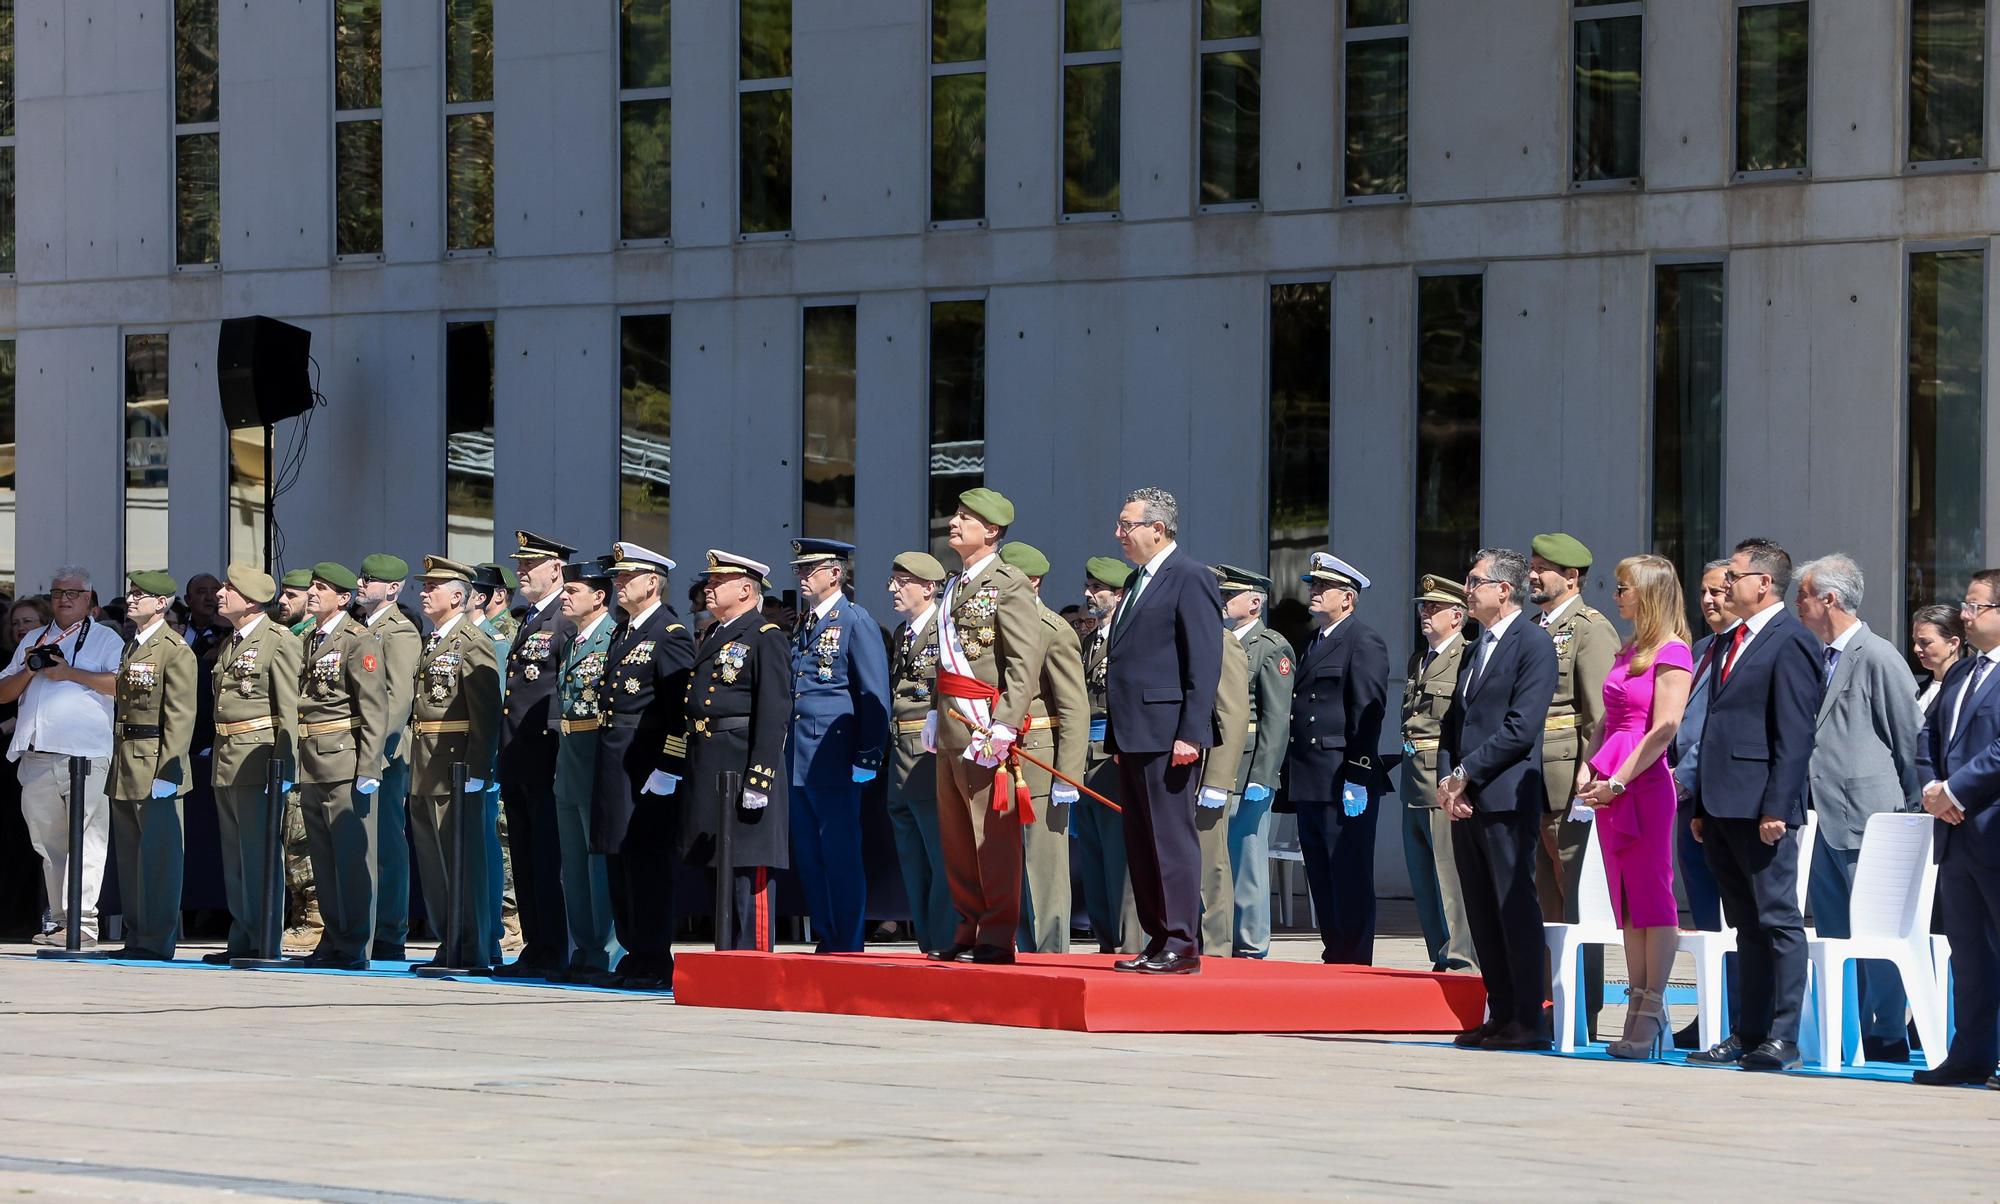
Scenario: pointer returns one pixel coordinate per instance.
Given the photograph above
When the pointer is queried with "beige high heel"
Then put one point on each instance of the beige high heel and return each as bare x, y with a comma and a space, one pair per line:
1642, 1008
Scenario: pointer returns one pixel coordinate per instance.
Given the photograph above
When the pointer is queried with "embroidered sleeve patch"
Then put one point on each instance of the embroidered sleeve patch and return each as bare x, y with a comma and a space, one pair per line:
368, 663
1284, 666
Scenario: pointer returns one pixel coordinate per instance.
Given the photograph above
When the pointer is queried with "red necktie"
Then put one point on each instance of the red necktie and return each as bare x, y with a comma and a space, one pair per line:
1735, 643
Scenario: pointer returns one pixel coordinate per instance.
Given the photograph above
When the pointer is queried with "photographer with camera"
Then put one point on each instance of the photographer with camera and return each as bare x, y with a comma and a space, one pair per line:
64, 675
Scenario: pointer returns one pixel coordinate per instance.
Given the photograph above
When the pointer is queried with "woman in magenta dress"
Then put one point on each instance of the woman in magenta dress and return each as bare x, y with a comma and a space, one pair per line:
1625, 779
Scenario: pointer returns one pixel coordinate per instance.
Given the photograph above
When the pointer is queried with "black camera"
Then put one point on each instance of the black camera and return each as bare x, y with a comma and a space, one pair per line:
44, 656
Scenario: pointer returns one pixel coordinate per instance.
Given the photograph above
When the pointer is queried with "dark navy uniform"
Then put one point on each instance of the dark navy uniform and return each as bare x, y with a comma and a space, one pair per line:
528, 737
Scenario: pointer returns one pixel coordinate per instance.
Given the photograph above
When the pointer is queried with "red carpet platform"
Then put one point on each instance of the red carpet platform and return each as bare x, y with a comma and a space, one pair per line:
1082, 993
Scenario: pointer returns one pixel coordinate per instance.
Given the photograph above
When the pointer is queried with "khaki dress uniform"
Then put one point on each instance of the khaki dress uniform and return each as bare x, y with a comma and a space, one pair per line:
1058, 732
256, 721
1427, 690
402, 644
153, 726
1221, 769
343, 734
1586, 644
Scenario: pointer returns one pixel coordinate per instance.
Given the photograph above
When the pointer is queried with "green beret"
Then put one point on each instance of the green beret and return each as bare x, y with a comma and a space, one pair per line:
333, 574
384, 567
1561, 550
297, 579
1108, 569
153, 582
921, 565
1433, 588
1026, 557
252, 582
989, 505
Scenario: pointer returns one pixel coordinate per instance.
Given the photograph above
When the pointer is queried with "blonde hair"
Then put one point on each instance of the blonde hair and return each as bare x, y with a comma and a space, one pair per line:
1659, 612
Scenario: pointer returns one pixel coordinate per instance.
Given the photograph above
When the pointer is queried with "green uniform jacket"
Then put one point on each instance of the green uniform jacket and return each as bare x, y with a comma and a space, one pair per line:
1270, 657
1096, 660
1060, 703
1426, 697
912, 680
402, 644
997, 625
1222, 764
579, 697
457, 682
156, 688
1586, 644
345, 681
257, 678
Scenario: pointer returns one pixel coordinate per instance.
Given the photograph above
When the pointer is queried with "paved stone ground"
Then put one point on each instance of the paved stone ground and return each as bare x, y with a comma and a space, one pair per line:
176, 1084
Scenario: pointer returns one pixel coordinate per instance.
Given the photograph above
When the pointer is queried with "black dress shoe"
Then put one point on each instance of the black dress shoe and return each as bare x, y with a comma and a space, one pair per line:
1773, 1055
990, 955
1724, 1053
1993, 1083
522, 967
349, 964
607, 980
1471, 1037
131, 954
1516, 1037
1171, 963
1133, 964
1877, 1049
951, 953
390, 953
219, 958
1947, 1075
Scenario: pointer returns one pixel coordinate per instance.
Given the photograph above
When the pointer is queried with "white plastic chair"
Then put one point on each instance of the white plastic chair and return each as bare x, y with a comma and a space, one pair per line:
1709, 948
1889, 915
1596, 924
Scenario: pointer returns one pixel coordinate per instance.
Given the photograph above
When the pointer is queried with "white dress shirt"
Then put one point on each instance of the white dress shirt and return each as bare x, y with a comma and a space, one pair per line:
67, 717
1489, 641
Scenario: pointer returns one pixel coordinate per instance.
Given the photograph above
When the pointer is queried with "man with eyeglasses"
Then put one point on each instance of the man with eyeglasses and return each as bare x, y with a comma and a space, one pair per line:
1750, 801
1958, 760
65, 711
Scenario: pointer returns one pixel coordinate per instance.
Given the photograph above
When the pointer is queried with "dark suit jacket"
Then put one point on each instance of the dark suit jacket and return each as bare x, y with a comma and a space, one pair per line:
1756, 744
534, 668
1337, 709
1493, 729
1165, 662
1969, 764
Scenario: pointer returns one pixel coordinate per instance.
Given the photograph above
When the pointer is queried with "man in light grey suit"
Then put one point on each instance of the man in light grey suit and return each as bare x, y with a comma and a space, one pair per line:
1864, 760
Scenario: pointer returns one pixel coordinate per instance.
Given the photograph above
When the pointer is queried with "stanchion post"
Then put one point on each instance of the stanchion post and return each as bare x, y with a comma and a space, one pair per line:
73, 950
271, 925
455, 858
727, 783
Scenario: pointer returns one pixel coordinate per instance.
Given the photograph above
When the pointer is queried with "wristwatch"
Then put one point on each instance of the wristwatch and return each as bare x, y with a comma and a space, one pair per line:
1617, 787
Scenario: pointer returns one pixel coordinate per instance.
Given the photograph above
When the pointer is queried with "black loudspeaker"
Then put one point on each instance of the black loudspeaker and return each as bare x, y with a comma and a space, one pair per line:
260, 370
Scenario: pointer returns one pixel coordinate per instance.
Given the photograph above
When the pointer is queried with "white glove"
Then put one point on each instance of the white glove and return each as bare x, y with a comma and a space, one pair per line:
164, 789
1002, 738
474, 785
1213, 797
1062, 794
1580, 814
660, 782
755, 800
930, 732
367, 785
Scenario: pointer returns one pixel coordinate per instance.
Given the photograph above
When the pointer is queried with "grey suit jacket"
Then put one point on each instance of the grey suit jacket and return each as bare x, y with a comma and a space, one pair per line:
1865, 747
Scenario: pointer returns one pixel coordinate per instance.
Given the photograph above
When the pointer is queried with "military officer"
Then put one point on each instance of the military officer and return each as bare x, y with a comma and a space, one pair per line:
495, 594
840, 728
379, 584
1427, 690
1100, 833
914, 583
1221, 765
292, 601
1586, 644
302, 922
579, 656
738, 708
503, 915
343, 737
1245, 597
987, 636
529, 733
153, 726
645, 677
455, 720
1057, 732
1332, 761
256, 723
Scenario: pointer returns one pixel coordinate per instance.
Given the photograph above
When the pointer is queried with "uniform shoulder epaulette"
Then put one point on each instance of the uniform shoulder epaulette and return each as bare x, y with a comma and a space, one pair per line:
1587, 611
768, 627
676, 627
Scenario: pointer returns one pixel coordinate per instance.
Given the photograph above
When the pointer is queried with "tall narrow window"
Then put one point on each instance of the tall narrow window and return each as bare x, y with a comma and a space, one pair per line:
468, 441
764, 117
7, 199
1301, 426
145, 452
826, 487
9, 458
1231, 51
1771, 96
1093, 32
645, 428
197, 135
357, 128
1687, 419
1450, 357
958, 110
468, 126
1947, 82
1605, 118
1946, 533
645, 122
958, 409
1377, 108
